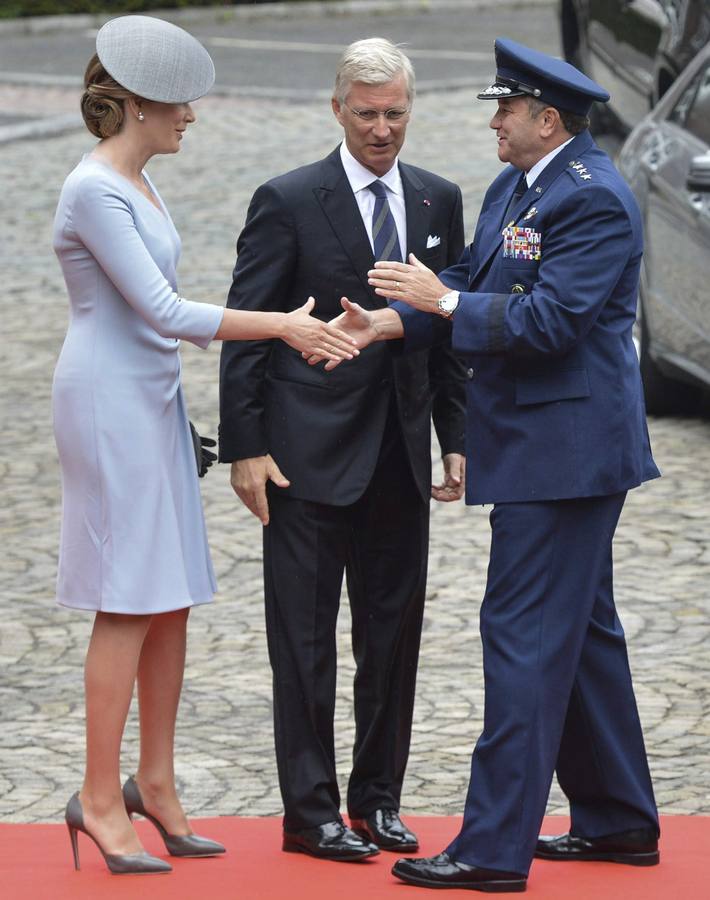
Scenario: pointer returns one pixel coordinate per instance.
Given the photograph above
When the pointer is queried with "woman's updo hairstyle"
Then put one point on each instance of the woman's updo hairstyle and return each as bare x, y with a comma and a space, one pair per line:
102, 103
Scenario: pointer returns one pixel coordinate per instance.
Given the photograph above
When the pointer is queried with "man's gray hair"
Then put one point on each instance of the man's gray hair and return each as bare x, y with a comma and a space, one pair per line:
372, 61
572, 122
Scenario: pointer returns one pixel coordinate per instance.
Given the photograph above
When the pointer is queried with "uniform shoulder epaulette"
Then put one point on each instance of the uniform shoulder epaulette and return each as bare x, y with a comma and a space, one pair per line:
580, 169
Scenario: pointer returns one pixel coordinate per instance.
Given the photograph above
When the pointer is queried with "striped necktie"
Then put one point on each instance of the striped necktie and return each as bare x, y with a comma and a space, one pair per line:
384, 230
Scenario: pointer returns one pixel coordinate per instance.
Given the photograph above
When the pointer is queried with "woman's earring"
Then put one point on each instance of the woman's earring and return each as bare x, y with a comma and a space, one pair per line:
141, 117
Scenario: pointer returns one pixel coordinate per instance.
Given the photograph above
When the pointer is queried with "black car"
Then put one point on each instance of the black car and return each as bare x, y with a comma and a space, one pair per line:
634, 48
666, 160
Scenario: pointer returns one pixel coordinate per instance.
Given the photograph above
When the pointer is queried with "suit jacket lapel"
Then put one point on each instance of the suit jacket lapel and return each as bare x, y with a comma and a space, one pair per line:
339, 206
549, 174
418, 206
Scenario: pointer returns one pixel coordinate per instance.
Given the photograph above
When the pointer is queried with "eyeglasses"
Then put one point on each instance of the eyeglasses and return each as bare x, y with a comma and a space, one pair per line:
372, 115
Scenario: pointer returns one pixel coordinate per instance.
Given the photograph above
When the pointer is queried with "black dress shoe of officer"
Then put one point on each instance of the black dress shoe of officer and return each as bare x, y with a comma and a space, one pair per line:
329, 841
385, 828
635, 848
443, 872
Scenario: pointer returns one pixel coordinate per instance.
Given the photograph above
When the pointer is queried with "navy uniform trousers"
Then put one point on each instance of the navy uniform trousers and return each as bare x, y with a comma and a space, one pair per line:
558, 686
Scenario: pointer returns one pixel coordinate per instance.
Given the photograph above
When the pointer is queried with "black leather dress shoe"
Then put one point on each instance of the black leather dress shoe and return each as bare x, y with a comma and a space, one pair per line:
443, 872
635, 848
329, 841
385, 828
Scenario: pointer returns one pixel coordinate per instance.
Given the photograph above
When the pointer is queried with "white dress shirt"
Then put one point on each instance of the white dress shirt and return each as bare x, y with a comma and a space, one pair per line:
359, 178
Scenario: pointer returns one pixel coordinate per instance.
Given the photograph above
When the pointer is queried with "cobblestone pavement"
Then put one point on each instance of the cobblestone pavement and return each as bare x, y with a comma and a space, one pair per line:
225, 755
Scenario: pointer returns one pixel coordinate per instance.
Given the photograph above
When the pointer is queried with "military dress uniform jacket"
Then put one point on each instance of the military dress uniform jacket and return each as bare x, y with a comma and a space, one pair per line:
554, 398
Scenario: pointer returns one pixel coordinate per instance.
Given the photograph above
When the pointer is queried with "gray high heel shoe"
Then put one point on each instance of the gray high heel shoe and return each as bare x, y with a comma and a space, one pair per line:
187, 845
119, 864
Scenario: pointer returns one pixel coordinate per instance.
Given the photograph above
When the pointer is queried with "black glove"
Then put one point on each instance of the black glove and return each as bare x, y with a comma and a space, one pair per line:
203, 457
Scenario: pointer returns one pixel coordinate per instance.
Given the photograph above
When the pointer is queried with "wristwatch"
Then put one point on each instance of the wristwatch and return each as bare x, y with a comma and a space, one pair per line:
448, 303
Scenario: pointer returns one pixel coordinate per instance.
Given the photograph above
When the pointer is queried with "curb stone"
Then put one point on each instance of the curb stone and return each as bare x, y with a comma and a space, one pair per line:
308, 8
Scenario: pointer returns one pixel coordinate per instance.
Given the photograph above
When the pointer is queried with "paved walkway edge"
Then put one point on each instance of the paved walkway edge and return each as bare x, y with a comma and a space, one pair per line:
40, 128
44, 24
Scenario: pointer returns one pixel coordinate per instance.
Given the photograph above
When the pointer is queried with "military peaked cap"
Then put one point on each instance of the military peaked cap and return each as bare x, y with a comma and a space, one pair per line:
521, 71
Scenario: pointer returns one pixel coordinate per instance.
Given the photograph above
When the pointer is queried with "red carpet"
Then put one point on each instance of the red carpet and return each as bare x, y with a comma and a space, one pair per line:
36, 864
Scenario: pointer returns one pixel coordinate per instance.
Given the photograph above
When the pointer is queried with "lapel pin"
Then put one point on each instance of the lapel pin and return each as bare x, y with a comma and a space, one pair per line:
427, 202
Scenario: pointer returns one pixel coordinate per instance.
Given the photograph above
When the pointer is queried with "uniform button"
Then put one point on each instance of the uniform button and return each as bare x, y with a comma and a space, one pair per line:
470, 373
517, 289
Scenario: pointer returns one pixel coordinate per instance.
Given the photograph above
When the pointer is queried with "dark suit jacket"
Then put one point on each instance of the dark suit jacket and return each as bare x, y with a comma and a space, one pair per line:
555, 404
304, 235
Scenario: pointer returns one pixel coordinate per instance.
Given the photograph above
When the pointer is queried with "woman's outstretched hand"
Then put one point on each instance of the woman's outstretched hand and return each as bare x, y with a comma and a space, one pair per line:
304, 332
357, 322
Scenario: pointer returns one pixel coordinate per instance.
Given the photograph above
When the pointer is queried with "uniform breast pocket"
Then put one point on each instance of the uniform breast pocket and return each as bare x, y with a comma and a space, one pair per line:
518, 275
521, 244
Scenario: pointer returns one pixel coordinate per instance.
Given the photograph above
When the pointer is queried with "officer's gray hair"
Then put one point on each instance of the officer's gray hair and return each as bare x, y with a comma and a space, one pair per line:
372, 61
571, 122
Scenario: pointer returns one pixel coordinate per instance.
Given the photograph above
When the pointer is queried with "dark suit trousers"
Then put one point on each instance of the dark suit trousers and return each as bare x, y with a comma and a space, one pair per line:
381, 541
558, 690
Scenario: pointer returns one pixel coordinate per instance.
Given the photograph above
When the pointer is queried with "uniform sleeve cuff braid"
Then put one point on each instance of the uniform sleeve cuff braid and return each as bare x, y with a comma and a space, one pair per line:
496, 323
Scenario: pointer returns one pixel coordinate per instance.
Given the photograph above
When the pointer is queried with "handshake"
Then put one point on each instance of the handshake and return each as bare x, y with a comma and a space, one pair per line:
358, 324
412, 283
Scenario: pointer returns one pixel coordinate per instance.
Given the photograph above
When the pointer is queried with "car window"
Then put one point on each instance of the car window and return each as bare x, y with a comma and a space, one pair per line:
692, 111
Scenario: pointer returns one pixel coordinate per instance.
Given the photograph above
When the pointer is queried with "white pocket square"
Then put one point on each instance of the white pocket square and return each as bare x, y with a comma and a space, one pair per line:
433, 240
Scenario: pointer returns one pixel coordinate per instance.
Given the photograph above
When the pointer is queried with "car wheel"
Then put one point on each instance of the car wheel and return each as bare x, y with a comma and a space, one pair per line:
664, 396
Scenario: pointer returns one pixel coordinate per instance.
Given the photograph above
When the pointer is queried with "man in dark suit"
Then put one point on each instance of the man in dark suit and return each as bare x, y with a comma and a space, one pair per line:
355, 448
543, 303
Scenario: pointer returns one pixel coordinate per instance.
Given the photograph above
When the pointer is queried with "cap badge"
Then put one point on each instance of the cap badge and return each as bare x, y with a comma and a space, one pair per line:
496, 90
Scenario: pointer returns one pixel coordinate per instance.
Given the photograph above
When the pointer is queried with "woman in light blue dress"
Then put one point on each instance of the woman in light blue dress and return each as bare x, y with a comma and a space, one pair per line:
133, 542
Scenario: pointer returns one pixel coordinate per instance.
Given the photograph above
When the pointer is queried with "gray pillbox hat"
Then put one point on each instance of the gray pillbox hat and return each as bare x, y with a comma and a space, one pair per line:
155, 59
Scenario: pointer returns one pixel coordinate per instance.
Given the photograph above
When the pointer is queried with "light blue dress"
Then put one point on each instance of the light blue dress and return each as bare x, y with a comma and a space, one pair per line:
133, 536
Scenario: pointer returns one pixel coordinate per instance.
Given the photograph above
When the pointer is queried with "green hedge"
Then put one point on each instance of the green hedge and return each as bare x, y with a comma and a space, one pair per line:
11, 9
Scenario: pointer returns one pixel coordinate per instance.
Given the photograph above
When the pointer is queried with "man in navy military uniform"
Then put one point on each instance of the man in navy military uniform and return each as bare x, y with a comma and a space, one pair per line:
542, 304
